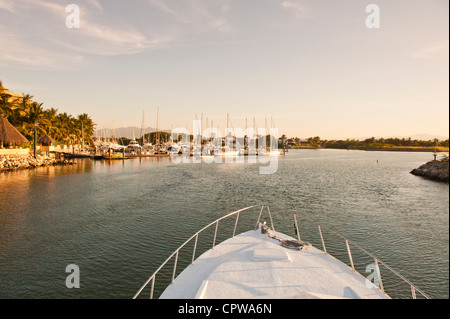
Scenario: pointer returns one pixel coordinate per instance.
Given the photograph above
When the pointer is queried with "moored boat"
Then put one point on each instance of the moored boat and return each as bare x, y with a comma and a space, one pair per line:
133, 147
97, 156
77, 155
114, 156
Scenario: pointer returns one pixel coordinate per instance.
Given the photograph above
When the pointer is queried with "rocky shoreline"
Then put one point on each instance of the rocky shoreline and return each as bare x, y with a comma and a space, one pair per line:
435, 170
12, 163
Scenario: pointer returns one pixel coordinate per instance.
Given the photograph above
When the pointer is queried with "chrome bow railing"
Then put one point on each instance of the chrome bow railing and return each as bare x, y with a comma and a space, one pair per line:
377, 262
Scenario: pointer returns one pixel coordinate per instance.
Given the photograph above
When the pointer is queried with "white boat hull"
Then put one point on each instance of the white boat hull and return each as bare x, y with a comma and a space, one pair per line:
252, 265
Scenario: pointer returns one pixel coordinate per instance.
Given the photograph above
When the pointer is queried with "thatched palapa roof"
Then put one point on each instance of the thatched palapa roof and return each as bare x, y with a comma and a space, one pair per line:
9, 134
45, 140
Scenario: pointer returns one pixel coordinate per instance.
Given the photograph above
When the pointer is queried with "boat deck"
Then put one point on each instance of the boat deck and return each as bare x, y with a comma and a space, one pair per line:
253, 265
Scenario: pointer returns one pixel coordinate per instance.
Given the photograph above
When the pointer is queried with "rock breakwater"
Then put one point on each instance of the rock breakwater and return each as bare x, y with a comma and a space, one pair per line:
435, 170
11, 163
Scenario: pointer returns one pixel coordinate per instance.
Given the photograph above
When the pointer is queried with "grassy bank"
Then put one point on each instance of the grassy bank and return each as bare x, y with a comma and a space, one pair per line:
396, 148
390, 144
305, 147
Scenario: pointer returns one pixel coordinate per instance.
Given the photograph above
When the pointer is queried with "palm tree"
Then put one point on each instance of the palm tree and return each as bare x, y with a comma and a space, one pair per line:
50, 125
35, 120
9, 106
74, 130
29, 117
62, 123
20, 114
86, 126
6, 107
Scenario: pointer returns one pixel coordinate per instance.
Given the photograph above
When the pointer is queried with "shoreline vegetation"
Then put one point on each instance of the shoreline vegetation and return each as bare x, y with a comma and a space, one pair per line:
371, 144
387, 148
32, 120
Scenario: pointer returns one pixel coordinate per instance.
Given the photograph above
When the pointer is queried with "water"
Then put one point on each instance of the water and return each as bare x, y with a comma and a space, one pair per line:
119, 221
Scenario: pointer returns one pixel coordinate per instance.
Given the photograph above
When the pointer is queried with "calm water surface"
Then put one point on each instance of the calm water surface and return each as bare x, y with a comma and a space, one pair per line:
119, 221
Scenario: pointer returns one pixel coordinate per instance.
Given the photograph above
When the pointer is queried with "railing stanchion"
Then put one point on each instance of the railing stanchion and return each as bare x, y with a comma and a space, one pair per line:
270, 216
235, 224
215, 234
377, 268
175, 266
259, 217
297, 230
321, 238
350, 254
195, 248
413, 291
152, 287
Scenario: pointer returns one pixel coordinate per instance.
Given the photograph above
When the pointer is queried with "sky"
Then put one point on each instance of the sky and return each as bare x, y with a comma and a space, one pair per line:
313, 67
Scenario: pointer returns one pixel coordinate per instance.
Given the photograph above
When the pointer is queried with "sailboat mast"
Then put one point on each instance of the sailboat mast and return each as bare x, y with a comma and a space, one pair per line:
157, 119
143, 128
82, 136
228, 123
212, 125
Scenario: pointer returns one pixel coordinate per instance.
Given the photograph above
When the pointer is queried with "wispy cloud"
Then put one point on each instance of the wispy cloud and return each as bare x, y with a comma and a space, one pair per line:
164, 7
42, 40
7, 5
17, 51
297, 8
433, 50
221, 24
207, 15
108, 41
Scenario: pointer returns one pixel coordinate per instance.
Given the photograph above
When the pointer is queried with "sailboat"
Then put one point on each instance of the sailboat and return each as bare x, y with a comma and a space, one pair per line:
147, 146
159, 148
133, 147
226, 151
82, 153
251, 148
272, 152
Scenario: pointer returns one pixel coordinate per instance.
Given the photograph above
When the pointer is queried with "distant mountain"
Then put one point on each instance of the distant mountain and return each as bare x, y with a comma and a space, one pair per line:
128, 132
134, 131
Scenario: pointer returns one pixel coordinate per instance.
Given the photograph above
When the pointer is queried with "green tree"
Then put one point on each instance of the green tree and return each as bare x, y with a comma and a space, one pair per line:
86, 126
314, 141
29, 116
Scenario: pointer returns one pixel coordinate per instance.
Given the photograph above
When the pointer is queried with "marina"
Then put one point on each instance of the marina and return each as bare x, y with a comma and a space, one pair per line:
113, 151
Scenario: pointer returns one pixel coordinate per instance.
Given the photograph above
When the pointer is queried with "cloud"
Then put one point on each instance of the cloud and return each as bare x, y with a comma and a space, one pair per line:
97, 39
298, 9
42, 40
199, 14
17, 51
221, 25
7, 5
34, 34
431, 51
